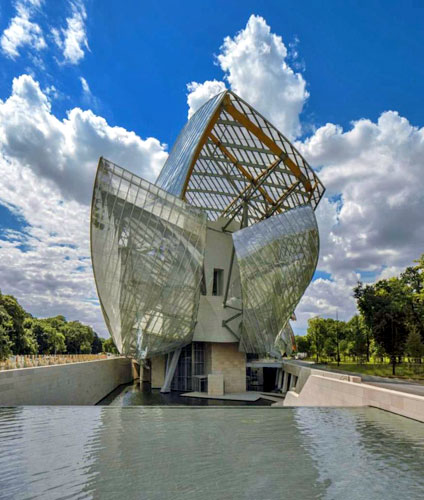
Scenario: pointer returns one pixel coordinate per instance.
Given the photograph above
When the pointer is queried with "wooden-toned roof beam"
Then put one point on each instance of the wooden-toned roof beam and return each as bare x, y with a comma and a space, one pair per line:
239, 167
199, 147
241, 179
227, 144
244, 120
254, 186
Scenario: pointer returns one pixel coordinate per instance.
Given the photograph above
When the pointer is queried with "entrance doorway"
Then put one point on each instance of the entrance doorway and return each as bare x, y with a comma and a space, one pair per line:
269, 379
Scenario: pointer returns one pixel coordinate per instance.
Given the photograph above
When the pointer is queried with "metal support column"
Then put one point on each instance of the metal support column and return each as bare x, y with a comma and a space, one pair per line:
285, 381
170, 371
229, 277
279, 378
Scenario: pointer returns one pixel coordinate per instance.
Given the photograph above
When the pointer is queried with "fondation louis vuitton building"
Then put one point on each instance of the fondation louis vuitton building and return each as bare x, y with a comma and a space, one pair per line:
201, 272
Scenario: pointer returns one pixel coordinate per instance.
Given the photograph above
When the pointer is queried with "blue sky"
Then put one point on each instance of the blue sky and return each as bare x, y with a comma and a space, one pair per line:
359, 83
361, 58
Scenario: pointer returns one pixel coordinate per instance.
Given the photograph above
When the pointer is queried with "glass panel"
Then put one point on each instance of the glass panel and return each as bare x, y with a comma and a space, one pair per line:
285, 340
147, 252
182, 380
199, 358
277, 259
175, 170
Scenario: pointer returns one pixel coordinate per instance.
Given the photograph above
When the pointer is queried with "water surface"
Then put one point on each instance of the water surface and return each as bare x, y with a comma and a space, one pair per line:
209, 453
132, 395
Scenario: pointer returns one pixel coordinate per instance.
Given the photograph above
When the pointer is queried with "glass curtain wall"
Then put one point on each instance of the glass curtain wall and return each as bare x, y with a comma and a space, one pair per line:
190, 364
147, 252
277, 259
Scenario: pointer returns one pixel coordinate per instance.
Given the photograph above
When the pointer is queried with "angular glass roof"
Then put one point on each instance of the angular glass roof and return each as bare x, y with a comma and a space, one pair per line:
227, 154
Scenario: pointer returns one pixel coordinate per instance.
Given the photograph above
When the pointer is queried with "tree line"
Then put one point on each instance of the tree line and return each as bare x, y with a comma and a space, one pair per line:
389, 323
21, 333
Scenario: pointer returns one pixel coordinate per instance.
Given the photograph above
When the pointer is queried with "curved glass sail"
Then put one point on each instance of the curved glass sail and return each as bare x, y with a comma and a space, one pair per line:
277, 259
148, 242
147, 251
176, 169
285, 342
229, 154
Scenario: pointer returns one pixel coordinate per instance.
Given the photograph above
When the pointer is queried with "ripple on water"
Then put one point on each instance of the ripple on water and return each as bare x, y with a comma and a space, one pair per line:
211, 453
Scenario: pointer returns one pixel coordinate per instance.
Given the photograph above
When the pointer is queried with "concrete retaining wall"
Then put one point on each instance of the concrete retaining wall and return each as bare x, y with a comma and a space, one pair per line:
302, 373
83, 383
325, 391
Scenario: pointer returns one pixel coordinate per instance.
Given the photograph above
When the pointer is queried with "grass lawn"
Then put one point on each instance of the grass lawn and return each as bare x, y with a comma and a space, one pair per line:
406, 371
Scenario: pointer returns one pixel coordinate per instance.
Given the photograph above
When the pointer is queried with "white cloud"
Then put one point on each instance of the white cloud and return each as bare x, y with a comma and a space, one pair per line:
378, 170
48, 167
328, 299
199, 93
22, 31
85, 86
255, 65
373, 220
46, 265
65, 152
73, 39
87, 96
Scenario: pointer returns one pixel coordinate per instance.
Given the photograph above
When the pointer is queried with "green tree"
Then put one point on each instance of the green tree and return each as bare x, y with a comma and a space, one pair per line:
303, 344
387, 308
11, 308
97, 344
413, 279
55, 341
78, 338
359, 338
5, 344
48, 339
317, 333
109, 346
414, 346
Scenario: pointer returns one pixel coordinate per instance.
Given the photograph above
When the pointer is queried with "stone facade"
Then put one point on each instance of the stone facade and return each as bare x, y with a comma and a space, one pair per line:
158, 371
215, 384
225, 358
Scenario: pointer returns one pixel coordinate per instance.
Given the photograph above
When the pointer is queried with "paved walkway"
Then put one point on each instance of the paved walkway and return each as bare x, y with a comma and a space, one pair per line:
242, 396
394, 384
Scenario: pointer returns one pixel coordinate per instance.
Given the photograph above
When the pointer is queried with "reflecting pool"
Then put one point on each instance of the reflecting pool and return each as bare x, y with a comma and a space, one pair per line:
209, 453
132, 395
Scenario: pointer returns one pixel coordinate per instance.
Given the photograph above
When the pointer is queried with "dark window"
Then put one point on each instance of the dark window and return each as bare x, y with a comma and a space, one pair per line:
199, 358
218, 281
182, 376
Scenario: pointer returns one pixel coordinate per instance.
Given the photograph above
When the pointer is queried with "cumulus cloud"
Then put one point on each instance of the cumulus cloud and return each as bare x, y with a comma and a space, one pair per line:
72, 40
371, 222
46, 263
371, 219
48, 167
255, 65
199, 93
65, 152
377, 169
327, 298
22, 31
